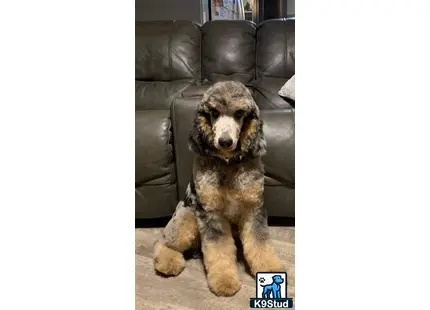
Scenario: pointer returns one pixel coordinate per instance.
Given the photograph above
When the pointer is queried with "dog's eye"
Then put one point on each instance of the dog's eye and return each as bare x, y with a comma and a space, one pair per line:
239, 114
214, 114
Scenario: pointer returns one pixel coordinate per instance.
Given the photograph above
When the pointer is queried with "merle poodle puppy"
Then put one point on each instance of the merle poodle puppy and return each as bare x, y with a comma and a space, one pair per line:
226, 188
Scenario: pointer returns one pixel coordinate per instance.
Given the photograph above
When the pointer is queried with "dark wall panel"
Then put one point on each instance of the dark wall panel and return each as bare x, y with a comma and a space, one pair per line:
148, 10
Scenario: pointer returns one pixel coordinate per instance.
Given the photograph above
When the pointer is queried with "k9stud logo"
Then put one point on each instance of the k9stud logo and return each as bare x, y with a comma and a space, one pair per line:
271, 291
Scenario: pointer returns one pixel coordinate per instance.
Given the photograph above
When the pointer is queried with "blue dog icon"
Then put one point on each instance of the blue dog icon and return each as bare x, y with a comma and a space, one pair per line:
273, 289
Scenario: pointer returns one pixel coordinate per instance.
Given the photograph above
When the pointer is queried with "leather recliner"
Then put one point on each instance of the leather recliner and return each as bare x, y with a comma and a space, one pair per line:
176, 61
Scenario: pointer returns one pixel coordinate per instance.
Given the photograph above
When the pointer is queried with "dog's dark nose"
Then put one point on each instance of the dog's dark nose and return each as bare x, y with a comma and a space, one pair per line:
225, 141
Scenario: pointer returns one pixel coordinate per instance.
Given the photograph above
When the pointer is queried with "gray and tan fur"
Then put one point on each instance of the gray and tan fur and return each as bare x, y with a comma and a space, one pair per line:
226, 188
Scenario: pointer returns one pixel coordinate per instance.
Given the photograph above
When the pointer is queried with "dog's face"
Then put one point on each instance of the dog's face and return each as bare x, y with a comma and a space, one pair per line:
227, 123
227, 120
278, 279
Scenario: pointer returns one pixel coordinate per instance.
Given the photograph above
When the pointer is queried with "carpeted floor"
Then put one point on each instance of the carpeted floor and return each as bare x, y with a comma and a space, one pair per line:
189, 290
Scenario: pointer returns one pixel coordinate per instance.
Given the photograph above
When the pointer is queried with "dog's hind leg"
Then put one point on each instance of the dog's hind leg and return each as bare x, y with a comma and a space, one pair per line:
180, 234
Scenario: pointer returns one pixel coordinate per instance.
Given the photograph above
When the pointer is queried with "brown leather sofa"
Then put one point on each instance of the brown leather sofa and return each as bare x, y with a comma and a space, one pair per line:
176, 61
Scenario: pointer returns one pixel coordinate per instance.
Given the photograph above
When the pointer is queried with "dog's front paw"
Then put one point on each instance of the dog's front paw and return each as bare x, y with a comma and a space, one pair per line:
271, 264
167, 261
224, 284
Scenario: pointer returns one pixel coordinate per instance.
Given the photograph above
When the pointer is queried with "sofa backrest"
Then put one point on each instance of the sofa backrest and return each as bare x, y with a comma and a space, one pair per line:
167, 56
275, 49
172, 55
167, 51
228, 51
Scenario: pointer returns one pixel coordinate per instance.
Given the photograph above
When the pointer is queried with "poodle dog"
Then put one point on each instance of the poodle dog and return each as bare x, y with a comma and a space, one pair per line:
226, 189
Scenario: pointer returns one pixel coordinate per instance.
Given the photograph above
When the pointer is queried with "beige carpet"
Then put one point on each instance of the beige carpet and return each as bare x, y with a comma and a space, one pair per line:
189, 290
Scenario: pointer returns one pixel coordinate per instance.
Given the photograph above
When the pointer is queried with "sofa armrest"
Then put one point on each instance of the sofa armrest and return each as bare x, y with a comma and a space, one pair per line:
279, 162
155, 179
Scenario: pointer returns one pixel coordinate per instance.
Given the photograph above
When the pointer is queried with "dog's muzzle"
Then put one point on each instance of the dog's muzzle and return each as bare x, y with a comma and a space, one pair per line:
225, 141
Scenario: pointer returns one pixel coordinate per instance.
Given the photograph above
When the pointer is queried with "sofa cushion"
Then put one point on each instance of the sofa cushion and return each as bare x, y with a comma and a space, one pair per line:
167, 50
199, 90
266, 93
276, 49
228, 49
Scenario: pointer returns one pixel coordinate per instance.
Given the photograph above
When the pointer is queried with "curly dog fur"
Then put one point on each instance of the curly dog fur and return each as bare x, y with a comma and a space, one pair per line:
226, 188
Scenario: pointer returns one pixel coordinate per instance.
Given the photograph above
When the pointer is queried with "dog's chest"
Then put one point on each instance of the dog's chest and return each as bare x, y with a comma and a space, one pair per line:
233, 208
239, 192
231, 190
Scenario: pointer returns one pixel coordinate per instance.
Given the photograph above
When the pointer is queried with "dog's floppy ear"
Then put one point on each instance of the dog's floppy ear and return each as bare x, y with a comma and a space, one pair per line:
200, 134
195, 138
252, 139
